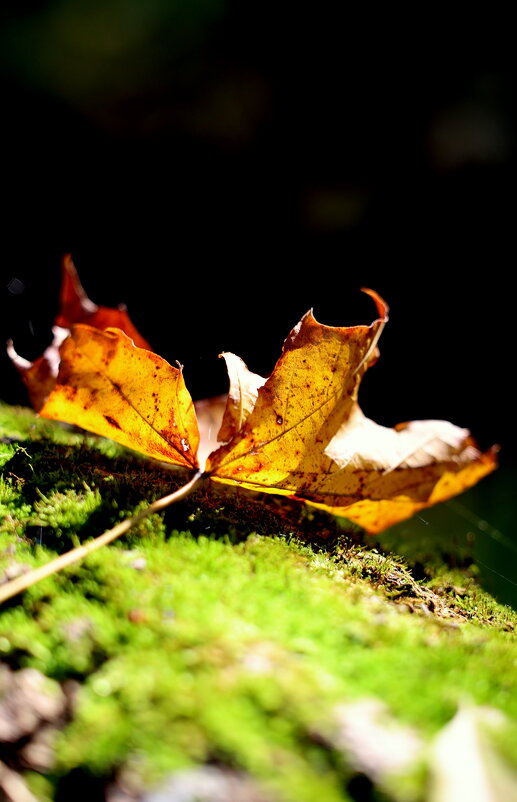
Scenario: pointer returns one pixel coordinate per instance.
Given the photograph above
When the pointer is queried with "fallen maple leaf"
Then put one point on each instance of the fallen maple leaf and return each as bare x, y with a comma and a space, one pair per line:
299, 433
306, 437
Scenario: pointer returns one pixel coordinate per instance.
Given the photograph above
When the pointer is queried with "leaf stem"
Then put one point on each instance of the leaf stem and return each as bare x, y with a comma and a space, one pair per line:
21, 583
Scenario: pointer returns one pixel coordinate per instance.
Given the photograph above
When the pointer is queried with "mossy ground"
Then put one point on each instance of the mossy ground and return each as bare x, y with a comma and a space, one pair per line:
229, 629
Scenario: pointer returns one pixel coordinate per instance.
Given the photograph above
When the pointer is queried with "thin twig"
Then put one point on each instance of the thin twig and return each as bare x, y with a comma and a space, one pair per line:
20, 583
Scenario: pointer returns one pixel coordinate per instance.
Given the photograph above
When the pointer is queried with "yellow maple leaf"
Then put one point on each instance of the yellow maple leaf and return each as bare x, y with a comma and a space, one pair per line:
306, 437
299, 433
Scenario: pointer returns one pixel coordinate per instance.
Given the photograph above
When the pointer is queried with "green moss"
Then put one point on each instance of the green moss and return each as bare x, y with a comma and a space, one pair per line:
14, 513
22, 424
41, 787
67, 510
189, 646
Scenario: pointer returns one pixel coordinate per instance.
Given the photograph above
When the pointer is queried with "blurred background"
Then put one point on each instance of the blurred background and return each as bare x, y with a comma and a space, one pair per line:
221, 167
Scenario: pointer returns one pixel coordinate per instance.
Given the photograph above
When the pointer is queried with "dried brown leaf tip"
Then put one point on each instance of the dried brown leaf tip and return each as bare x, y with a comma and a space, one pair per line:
74, 307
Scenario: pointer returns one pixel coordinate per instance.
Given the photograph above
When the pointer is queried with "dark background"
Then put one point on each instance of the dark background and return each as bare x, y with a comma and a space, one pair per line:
221, 167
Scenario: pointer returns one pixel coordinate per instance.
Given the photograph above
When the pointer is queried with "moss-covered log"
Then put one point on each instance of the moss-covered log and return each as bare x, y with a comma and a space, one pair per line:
234, 647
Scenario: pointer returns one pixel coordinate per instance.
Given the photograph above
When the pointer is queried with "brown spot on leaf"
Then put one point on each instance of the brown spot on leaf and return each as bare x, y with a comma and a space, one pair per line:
70, 391
112, 421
